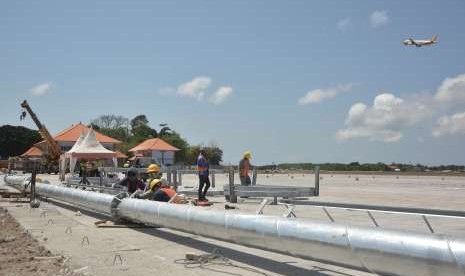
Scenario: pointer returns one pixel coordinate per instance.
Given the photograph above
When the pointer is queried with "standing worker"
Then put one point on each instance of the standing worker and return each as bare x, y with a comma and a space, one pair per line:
84, 172
203, 169
244, 168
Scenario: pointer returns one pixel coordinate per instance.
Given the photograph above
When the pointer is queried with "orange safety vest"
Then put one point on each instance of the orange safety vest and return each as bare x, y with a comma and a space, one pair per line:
169, 192
244, 169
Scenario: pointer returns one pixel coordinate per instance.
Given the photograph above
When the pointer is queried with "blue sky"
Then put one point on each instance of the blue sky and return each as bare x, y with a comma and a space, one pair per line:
274, 77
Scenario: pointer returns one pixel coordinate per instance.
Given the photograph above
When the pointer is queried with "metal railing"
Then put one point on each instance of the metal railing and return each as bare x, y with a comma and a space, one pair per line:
232, 191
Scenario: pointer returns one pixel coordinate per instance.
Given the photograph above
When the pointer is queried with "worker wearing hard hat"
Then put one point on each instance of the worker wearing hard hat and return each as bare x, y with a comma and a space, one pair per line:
167, 194
244, 168
203, 169
154, 182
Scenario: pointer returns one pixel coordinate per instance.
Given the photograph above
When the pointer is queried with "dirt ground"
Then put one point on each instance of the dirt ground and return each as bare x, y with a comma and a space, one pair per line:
21, 255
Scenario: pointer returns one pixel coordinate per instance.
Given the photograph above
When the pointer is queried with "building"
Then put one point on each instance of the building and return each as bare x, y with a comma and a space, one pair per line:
32, 153
68, 137
27, 161
155, 150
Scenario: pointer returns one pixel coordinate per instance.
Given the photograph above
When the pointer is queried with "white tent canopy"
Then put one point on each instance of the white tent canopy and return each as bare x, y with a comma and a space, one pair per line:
87, 147
78, 142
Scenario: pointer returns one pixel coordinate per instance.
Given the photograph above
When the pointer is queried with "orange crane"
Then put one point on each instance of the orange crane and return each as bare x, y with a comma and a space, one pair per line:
54, 151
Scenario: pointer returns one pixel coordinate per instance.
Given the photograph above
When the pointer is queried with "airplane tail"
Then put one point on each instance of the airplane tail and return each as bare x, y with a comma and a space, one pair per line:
434, 38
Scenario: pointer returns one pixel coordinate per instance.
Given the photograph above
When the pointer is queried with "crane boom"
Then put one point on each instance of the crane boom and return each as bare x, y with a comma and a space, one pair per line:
55, 151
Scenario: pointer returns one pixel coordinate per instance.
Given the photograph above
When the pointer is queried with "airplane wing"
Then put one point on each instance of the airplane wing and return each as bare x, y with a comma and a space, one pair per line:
413, 41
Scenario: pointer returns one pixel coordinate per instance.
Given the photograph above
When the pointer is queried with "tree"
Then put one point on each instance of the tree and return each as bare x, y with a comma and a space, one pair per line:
133, 132
213, 153
164, 131
138, 121
113, 126
15, 140
192, 153
141, 129
111, 122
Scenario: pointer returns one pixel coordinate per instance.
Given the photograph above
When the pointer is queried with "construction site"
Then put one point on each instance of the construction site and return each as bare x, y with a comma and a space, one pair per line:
281, 223
242, 138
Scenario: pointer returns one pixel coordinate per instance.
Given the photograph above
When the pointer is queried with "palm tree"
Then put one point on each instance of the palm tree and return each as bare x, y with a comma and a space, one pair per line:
164, 130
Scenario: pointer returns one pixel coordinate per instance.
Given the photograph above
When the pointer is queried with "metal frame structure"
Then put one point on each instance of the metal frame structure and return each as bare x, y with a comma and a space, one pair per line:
378, 208
232, 191
424, 213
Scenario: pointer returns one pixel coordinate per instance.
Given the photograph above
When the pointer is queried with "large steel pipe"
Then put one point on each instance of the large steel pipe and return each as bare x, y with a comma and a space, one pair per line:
379, 251
384, 252
89, 200
17, 180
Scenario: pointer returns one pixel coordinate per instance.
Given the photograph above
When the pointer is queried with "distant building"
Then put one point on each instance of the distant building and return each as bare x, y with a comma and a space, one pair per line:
156, 150
33, 153
66, 140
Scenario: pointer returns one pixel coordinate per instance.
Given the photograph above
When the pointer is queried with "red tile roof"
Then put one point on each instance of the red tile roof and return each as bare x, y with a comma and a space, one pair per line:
154, 144
32, 152
121, 155
72, 134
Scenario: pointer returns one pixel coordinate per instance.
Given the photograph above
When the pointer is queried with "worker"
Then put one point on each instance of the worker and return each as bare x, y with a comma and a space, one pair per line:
84, 173
164, 194
132, 182
82, 167
244, 168
203, 169
154, 182
127, 164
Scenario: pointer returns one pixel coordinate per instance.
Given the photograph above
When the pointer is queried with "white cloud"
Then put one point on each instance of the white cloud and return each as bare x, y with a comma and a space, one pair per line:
452, 91
390, 116
344, 24
220, 95
450, 125
195, 88
379, 19
318, 95
41, 89
198, 88
384, 121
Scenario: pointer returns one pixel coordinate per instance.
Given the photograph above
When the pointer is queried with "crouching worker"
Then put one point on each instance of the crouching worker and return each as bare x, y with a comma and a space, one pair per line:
157, 189
154, 182
132, 182
167, 194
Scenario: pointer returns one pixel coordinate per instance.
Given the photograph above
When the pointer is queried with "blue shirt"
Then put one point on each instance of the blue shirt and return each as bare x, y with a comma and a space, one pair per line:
202, 166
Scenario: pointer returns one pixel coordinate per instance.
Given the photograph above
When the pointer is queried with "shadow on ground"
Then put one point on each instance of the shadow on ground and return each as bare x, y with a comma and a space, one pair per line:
283, 268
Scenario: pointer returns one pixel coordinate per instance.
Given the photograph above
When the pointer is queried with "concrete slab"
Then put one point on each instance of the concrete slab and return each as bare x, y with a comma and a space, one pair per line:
145, 251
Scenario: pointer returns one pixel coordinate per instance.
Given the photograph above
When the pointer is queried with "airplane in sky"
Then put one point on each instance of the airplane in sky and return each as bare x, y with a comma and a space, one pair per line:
419, 43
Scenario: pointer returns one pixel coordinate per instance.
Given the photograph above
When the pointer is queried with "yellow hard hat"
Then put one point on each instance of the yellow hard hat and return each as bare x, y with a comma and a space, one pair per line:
154, 183
126, 165
247, 154
153, 168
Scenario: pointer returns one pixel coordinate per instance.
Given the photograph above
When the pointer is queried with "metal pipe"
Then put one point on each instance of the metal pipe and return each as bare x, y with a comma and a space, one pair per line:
385, 252
379, 208
88, 200
379, 251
